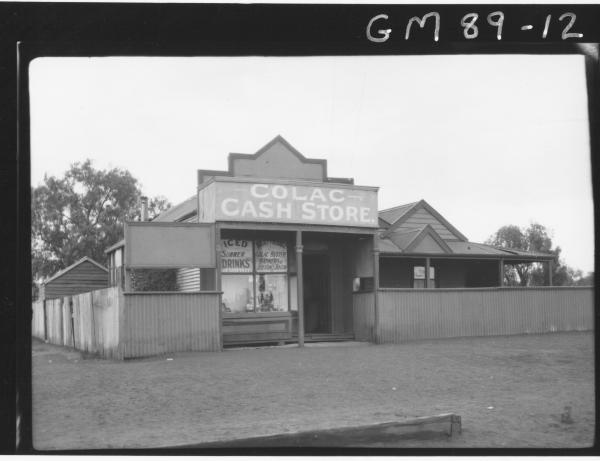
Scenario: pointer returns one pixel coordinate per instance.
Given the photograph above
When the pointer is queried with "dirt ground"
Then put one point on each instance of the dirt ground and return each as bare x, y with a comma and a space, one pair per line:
510, 392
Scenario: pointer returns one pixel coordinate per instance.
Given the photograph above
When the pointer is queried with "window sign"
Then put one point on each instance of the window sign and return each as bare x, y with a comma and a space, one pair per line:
419, 273
419, 277
236, 256
271, 256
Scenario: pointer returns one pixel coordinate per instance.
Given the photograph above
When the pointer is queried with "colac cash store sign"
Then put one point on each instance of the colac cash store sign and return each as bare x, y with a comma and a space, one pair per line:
240, 201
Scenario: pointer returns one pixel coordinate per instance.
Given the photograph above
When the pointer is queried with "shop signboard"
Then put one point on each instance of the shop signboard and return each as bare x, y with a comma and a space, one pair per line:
236, 256
322, 204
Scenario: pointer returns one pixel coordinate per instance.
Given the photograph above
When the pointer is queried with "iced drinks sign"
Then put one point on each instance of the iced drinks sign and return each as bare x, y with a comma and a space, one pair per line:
236, 255
343, 206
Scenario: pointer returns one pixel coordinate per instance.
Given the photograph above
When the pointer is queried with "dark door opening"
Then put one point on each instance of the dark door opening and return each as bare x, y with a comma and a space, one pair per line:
317, 306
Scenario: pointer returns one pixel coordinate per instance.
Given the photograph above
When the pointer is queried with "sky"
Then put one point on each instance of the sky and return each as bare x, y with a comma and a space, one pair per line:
486, 140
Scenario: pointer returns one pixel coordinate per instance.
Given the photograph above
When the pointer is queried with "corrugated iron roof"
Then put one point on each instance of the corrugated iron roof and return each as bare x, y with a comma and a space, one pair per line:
383, 224
391, 215
179, 211
387, 246
396, 243
472, 248
523, 252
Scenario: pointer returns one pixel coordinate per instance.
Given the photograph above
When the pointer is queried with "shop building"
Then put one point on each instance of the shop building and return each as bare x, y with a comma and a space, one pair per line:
296, 255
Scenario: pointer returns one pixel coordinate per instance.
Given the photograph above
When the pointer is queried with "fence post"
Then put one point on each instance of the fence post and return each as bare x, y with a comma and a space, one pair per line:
72, 321
93, 345
45, 320
62, 322
376, 332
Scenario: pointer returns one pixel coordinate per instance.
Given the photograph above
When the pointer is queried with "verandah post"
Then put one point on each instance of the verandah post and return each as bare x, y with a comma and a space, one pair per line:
218, 280
427, 265
300, 288
501, 273
376, 338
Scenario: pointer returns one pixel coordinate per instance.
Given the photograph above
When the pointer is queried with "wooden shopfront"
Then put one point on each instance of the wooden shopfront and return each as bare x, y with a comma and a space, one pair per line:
290, 242
260, 282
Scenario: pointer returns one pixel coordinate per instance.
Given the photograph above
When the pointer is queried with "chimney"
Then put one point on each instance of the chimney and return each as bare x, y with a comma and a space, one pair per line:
144, 208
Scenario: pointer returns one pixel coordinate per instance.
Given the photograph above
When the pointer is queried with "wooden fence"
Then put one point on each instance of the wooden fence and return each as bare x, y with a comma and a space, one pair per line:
88, 322
113, 324
38, 320
444, 313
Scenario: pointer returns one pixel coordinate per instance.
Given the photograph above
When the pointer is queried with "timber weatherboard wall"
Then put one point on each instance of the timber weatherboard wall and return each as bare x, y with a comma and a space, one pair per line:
445, 313
421, 218
82, 278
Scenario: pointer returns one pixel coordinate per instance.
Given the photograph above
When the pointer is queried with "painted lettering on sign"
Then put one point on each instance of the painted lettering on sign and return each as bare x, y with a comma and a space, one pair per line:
236, 255
300, 204
271, 256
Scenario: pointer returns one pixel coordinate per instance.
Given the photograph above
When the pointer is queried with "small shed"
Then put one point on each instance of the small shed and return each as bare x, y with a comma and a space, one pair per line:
80, 277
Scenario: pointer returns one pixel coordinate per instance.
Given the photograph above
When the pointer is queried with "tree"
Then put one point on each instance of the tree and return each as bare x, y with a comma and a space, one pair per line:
81, 214
587, 280
534, 238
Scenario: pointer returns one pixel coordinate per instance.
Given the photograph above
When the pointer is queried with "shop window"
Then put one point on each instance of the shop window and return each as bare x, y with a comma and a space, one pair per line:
238, 293
271, 293
419, 277
254, 276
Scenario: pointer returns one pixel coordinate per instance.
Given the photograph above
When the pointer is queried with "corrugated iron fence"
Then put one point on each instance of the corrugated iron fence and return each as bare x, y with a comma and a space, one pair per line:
157, 323
116, 325
362, 315
444, 313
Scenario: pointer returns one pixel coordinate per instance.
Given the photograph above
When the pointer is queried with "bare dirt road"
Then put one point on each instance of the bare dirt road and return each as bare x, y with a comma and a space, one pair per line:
509, 391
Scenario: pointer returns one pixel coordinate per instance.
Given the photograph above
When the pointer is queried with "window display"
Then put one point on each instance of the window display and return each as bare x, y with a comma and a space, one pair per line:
238, 293
254, 276
271, 293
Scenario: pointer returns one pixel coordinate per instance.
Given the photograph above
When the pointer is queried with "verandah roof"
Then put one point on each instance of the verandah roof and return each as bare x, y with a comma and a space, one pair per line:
397, 245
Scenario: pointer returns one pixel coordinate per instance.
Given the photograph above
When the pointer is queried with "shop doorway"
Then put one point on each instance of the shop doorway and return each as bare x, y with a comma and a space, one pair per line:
317, 305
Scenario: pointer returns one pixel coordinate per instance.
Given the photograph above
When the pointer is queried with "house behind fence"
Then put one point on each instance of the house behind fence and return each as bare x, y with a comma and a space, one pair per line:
275, 250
